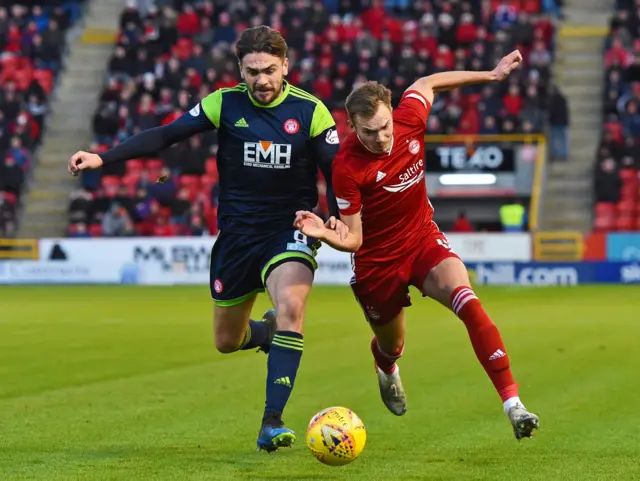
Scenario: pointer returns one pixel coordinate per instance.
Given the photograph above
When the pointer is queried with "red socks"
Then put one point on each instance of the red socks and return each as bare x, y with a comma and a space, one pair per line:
386, 362
486, 340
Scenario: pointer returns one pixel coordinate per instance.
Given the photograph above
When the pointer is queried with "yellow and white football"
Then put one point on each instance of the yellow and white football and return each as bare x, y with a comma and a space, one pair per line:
336, 436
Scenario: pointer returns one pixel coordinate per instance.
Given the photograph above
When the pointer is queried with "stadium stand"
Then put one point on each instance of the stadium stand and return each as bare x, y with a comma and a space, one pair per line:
172, 54
617, 167
32, 42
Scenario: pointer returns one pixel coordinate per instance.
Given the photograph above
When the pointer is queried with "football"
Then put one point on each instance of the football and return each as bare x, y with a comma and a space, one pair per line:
336, 436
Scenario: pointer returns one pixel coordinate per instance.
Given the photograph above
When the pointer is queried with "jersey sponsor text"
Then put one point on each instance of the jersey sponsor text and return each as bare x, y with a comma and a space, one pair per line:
267, 155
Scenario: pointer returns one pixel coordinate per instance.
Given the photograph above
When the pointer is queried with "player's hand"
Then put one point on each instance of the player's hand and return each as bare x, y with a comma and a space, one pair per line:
337, 225
83, 161
310, 224
507, 65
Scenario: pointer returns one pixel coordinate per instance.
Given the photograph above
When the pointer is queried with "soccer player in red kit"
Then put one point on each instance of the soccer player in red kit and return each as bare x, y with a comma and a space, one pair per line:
378, 179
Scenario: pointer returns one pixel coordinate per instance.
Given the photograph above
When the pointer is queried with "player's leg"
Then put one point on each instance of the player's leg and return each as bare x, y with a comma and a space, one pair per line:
234, 330
234, 285
383, 306
448, 283
288, 276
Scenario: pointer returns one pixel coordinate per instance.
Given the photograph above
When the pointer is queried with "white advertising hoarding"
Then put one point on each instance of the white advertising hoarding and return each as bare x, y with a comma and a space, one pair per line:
167, 261
185, 260
492, 247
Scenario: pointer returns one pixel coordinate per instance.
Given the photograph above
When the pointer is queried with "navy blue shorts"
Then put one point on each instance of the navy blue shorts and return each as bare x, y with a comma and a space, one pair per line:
240, 263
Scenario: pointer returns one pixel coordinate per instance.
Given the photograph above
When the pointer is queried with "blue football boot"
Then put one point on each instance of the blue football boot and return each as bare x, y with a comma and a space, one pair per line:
273, 434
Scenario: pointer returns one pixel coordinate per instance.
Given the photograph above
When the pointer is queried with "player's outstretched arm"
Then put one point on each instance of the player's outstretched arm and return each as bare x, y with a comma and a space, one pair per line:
443, 81
144, 144
313, 226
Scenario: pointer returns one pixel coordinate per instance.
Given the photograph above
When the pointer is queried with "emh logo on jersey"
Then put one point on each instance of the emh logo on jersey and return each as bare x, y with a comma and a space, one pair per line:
409, 177
267, 155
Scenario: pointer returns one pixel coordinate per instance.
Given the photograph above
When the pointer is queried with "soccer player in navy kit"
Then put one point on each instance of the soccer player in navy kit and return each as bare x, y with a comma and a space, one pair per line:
272, 139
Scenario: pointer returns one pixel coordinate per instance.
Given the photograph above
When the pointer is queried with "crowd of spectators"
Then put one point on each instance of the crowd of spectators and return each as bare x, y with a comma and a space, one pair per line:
617, 167
172, 53
32, 43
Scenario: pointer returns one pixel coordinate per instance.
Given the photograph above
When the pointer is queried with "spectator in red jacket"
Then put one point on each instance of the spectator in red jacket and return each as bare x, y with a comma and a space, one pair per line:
188, 21
462, 224
513, 100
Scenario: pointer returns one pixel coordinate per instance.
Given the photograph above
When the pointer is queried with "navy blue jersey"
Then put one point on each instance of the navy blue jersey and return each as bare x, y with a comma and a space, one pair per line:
268, 155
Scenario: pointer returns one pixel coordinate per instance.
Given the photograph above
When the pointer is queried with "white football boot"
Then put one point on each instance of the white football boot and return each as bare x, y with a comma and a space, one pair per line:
392, 392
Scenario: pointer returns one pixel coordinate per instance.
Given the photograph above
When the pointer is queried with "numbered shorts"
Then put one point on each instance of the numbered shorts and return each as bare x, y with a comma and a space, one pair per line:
240, 264
383, 289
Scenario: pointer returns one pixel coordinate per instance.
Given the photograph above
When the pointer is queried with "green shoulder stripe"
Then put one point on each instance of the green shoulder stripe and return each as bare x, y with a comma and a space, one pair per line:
305, 95
238, 88
321, 121
212, 105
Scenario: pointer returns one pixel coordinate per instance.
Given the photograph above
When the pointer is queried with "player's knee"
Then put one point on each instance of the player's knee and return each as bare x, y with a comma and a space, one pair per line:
226, 344
393, 347
290, 314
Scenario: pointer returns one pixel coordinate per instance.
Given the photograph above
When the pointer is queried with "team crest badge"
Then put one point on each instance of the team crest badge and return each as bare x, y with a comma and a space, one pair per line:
291, 126
414, 147
217, 286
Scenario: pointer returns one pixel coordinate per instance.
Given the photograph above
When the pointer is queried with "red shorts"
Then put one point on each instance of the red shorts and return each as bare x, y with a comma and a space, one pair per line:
383, 289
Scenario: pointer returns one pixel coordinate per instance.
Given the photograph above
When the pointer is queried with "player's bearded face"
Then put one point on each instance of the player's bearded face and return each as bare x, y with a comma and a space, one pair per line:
375, 133
264, 76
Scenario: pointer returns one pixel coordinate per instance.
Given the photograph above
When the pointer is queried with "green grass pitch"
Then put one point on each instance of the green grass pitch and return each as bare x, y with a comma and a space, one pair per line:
124, 383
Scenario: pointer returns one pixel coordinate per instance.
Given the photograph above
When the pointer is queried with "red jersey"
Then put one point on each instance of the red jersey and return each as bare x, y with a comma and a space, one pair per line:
389, 189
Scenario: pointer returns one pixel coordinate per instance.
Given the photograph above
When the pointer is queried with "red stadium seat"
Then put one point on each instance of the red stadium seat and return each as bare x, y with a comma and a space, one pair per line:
211, 167
164, 230
626, 208
193, 192
155, 164
629, 176
130, 181
212, 220
207, 182
110, 180
95, 230
135, 165
604, 222
628, 192
625, 223
111, 186
605, 208
45, 78
154, 167
189, 181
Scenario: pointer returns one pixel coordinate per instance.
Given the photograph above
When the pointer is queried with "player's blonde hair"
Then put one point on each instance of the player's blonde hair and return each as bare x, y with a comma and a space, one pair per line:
365, 99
